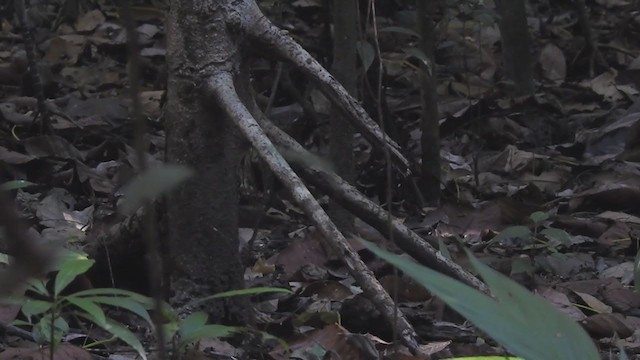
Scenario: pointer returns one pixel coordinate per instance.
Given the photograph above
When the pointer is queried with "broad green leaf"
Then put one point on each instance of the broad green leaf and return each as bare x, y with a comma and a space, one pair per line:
42, 331
557, 234
192, 323
266, 336
18, 322
208, 332
35, 307
418, 54
63, 255
524, 324
522, 265
16, 184
485, 358
38, 286
518, 232
89, 307
120, 332
242, 292
366, 53
400, 30
552, 334
152, 183
69, 269
145, 301
120, 302
538, 216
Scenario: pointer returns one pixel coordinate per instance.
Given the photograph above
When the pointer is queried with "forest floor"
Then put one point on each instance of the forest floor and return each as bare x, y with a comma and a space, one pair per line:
544, 189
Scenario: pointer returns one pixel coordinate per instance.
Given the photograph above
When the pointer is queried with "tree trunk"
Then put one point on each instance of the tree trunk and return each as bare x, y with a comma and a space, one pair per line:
516, 44
345, 32
203, 213
430, 140
208, 91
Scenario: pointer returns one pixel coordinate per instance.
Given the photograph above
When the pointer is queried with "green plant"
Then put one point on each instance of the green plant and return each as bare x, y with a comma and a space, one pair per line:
47, 309
523, 323
181, 333
15, 185
554, 236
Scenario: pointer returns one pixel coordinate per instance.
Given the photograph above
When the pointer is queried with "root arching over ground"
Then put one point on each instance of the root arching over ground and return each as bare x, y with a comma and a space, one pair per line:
205, 53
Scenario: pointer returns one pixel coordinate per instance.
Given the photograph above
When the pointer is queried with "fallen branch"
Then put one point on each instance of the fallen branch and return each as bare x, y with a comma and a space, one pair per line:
220, 88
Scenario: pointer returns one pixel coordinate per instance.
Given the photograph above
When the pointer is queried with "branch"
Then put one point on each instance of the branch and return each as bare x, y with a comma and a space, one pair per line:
220, 88
315, 171
280, 43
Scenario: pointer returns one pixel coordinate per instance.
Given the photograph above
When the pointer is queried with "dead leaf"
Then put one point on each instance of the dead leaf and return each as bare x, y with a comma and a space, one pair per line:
63, 352
606, 325
90, 21
562, 303
605, 85
593, 303
553, 62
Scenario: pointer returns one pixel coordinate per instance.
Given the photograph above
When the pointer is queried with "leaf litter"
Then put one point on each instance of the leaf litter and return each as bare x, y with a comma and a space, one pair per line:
570, 151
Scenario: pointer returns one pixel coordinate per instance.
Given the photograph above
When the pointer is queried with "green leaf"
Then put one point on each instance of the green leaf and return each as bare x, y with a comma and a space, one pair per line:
69, 269
89, 307
518, 232
538, 217
120, 332
42, 331
366, 53
418, 54
266, 337
38, 286
18, 322
554, 335
524, 324
4, 258
207, 332
35, 307
192, 323
121, 302
151, 184
485, 358
400, 30
242, 292
557, 234
16, 184
145, 301
169, 331
522, 265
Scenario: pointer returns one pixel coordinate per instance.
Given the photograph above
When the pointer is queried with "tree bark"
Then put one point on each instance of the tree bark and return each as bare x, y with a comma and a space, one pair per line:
430, 140
203, 213
208, 92
345, 32
516, 44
